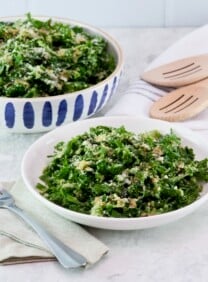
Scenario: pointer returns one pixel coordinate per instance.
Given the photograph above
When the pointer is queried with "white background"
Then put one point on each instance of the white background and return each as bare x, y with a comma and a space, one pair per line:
114, 13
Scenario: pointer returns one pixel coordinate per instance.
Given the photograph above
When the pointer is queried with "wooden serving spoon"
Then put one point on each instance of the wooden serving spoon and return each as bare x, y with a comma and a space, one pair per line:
179, 73
182, 103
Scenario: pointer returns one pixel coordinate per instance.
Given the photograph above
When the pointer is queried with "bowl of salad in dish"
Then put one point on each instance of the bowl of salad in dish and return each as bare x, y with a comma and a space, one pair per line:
118, 173
54, 71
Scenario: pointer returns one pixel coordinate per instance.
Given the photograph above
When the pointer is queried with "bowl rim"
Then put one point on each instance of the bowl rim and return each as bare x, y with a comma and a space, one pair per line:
149, 221
113, 42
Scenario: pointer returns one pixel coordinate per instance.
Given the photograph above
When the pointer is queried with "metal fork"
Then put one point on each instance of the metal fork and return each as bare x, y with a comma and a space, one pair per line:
67, 257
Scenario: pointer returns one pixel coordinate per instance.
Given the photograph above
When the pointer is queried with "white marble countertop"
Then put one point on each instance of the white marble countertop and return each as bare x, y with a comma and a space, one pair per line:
176, 252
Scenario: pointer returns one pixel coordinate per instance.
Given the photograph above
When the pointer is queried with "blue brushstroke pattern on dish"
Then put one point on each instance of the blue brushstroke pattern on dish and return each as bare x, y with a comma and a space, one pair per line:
93, 103
78, 107
103, 98
9, 115
28, 115
47, 114
62, 111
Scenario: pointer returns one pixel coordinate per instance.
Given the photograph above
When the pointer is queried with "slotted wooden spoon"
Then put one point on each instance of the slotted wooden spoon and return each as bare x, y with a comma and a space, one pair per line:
179, 73
182, 103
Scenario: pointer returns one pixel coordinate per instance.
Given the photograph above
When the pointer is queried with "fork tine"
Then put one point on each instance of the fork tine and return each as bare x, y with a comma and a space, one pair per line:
3, 191
4, 194
5, 198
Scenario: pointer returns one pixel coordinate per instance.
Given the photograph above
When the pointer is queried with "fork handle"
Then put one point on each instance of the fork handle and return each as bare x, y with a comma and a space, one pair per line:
67, 257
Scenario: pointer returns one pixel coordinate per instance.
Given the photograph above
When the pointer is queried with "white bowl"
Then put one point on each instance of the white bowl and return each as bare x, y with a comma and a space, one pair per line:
29, 115
32, 167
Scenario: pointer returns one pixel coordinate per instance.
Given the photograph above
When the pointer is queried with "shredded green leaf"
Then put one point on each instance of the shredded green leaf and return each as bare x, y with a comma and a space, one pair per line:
46, 58
112, 172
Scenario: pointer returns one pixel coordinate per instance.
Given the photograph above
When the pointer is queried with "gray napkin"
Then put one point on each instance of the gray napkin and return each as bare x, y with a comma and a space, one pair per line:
20, 244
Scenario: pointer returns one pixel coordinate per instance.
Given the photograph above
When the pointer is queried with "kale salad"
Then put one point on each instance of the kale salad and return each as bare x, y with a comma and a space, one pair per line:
45, 58
112, 172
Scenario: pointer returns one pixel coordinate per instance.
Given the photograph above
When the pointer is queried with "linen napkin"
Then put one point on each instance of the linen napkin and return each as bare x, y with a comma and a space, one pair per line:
140, 95
20, 244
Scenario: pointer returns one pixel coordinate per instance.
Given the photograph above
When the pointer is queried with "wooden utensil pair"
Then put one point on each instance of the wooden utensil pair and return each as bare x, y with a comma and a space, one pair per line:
187, 101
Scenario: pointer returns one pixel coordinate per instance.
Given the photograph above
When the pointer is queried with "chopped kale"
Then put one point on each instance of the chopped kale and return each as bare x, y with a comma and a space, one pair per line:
112, 172
46, 58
